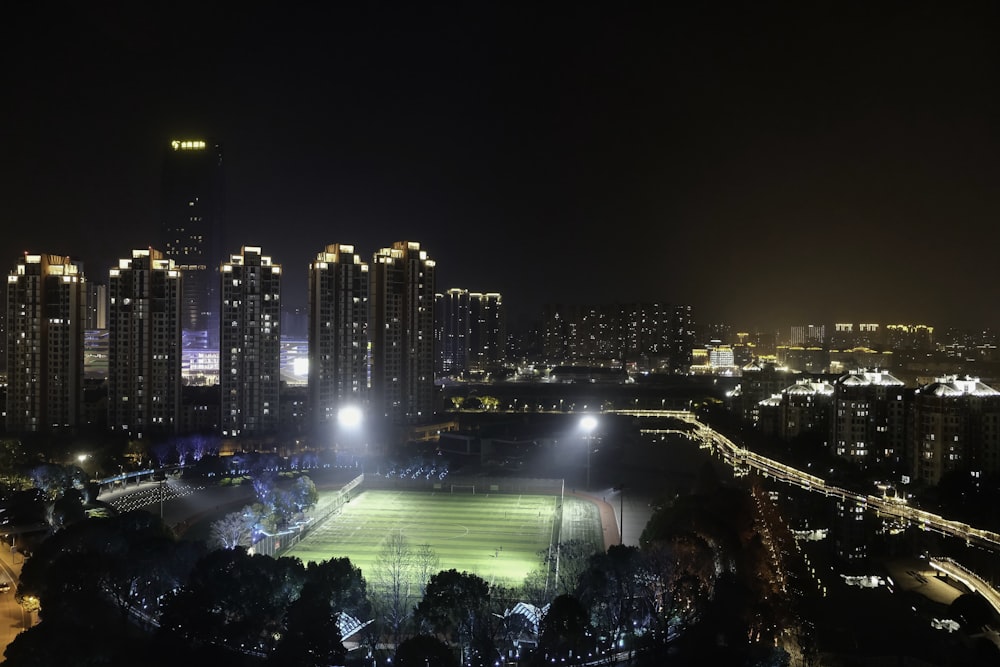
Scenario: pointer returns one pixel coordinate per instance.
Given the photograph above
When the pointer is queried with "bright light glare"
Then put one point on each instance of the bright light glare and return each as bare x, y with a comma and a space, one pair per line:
349, 416
588, 423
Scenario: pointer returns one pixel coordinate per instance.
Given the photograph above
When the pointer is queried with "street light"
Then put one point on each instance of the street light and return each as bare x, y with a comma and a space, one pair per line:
587, 424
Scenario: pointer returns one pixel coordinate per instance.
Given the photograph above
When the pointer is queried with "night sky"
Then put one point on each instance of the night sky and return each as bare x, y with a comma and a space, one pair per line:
767, 163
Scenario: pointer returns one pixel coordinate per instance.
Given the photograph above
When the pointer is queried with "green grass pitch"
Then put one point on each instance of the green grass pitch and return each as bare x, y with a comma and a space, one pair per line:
495, 536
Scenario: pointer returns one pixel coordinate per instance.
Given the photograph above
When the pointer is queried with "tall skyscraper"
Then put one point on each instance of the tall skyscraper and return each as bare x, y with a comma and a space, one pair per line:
451, 321
339, 351
192, 225
144, 357
249, 362
46, 305
487, 331
402, 333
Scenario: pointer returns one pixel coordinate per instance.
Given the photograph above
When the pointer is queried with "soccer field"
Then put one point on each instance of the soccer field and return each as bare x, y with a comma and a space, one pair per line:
497, 537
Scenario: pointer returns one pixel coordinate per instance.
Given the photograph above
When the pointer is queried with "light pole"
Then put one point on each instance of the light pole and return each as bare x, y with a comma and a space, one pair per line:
621, 511
349, 420
587, 424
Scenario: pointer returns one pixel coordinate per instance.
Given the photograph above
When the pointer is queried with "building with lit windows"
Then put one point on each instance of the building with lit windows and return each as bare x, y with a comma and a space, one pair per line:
145, 300
470, 332
955, 427
802, 409
487, 332
868, 424
807, 335
451, 332
641, 336
250, 344
339, 352
909, 336
402, 333
46, 309
192, 227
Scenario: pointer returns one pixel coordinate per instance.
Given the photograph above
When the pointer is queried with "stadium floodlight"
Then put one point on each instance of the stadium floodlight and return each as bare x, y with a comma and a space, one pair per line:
587, 424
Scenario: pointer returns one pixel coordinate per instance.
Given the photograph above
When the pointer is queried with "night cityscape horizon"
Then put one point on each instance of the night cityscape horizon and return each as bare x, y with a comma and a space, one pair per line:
498, 336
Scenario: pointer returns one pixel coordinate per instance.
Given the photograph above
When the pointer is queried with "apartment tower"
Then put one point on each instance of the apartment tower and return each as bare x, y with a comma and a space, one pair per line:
46, 306
403, 333
339, 363
250, 344
144, 331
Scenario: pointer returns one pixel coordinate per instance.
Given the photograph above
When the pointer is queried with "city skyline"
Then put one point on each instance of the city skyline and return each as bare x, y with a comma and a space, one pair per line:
769, 165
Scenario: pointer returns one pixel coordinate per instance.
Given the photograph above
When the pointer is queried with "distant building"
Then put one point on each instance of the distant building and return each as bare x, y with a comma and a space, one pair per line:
192, 229
451, 325
955, 427
402, 333
339, 352
643, 336
807, 335
814, 359
470, 332
909, 336
144, 359
46, 310
249, 364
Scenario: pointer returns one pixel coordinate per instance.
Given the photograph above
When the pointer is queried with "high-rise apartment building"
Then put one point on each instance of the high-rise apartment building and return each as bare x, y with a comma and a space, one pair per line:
487, 331
451, 319
868, 424
470, 332
192, 225
250, 344
339, 350
402, 333
653, 336
144, 358
46, 306
955, 427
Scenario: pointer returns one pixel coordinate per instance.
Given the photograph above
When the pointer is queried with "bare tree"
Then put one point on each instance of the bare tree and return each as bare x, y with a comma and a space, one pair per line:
232, 530
392, 576
427, 564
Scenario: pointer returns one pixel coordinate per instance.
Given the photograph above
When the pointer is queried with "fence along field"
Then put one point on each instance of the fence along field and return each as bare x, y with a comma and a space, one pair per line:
496, 536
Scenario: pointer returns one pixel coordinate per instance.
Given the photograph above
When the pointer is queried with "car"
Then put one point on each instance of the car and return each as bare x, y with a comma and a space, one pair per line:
4, 586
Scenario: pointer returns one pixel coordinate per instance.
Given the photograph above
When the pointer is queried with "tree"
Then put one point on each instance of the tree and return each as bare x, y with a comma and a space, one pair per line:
235, 600
611, 588
426, 563
423, 650
565, 563
565, 634
392, 574
234, 529
453, 607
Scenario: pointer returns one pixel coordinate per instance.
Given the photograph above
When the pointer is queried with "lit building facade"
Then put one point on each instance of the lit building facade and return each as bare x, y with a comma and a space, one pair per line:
144, 344
451, 335
250, 344
339, 352
646, 336
402, 333
470, 332
487, 332
46, 309
192, 225
868, 424
955, 427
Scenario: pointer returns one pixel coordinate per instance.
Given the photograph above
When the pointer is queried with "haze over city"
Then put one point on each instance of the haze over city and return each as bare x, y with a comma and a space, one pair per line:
769, 163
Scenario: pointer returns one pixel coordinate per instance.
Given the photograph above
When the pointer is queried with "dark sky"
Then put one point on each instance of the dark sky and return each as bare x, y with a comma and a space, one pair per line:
768, 163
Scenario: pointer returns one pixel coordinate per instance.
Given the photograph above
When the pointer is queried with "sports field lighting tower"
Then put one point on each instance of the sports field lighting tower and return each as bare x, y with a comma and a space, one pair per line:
349, 419
587, 424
